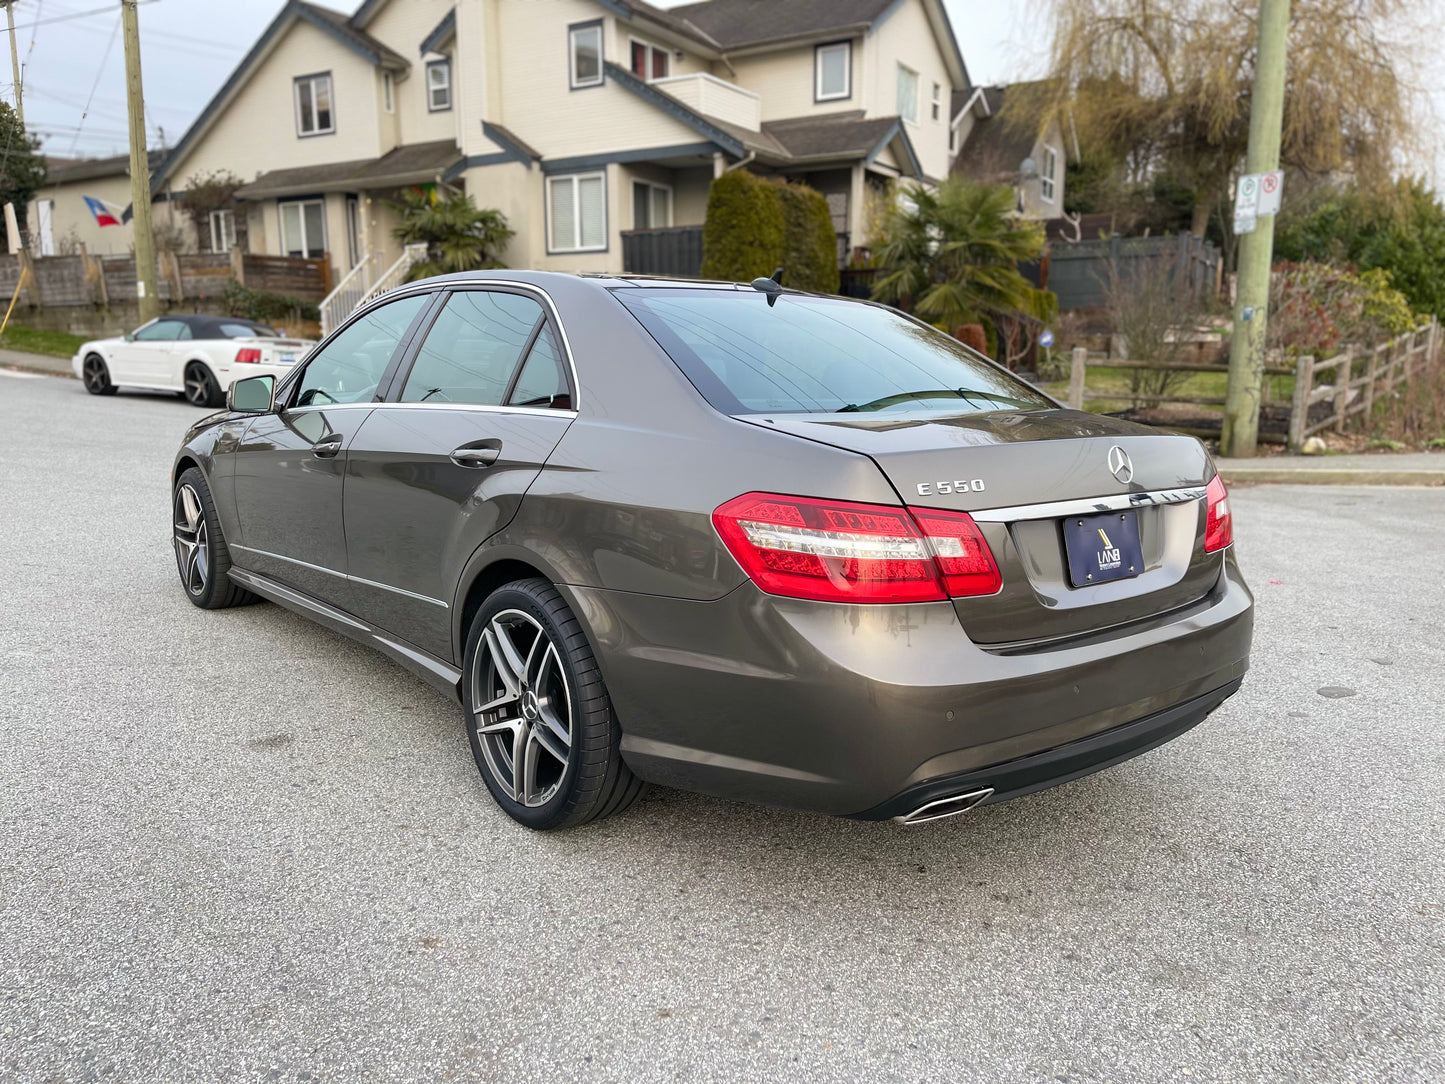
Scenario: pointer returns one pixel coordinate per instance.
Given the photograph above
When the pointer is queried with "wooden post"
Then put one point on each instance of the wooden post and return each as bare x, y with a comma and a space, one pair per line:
1299, 411
170, 268
95, 271
1372, 366
238, 264
1343, 369
29, 285
1078, 365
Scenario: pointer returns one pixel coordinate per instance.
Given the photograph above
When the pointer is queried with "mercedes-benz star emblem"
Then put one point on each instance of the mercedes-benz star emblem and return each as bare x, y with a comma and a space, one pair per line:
1119, 465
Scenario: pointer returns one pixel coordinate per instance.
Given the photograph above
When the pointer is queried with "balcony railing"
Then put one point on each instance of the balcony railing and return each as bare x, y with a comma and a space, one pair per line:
714, 97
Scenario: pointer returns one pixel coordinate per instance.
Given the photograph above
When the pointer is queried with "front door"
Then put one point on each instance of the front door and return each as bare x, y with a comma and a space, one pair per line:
290, 467
148, 357
443, 466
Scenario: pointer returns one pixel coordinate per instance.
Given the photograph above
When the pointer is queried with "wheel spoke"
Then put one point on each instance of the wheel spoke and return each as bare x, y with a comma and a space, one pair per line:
499, 726
510, 666
192, 507
521, 741
553, 736
544, 669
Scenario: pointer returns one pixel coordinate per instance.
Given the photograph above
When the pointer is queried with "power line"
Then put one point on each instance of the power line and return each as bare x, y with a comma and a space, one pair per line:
78, 15
100, 71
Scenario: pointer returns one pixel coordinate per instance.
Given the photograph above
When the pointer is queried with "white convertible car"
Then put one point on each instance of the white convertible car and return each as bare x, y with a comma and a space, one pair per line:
198, 356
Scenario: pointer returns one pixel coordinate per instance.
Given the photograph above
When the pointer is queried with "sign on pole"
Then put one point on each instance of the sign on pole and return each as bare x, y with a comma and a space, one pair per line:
1271, 186
1246, 204
1046, 339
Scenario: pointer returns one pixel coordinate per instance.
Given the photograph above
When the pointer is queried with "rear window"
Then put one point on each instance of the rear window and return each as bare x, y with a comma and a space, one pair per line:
246, 331
813, 355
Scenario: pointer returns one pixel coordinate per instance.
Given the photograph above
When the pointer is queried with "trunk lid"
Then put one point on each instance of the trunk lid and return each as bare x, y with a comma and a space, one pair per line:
998, 466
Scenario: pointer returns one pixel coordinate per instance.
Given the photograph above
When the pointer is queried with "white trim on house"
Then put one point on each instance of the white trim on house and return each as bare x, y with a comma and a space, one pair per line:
819, 94
907, 103
223, 229
444, 65
577, 242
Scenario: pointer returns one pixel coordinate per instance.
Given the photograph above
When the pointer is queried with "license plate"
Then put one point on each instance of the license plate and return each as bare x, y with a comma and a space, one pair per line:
286, 359
1103, 548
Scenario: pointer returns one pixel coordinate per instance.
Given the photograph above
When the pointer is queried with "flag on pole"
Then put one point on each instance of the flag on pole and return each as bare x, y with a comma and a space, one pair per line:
102, 214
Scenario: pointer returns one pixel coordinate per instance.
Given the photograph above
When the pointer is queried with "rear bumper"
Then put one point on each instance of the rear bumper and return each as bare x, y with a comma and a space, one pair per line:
1027, 775
848, 710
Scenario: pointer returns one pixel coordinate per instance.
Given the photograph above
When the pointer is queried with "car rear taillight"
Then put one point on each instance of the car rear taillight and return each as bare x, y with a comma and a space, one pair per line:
1218, 520
841, 551
248, 355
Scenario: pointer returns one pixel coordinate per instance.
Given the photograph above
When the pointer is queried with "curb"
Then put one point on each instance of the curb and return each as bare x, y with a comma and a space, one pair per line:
37, 370
1327, 477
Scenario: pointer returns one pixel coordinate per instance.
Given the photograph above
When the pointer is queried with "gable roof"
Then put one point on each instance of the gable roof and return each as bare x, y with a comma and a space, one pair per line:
410, 163
843, 136
998, 143
442, 33
735, 24
329, 22
93, 169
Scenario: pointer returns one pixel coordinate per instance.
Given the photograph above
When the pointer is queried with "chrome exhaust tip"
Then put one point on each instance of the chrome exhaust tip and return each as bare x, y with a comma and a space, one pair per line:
951, 806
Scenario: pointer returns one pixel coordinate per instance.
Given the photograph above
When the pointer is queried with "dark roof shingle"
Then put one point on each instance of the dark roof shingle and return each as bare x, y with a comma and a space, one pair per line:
736, 23
411, 163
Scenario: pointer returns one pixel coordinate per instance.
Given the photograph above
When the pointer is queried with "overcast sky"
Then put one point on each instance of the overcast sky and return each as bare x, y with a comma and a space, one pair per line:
189, 47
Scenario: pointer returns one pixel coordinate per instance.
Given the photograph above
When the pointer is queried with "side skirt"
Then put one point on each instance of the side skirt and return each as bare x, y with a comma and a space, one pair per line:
442, 676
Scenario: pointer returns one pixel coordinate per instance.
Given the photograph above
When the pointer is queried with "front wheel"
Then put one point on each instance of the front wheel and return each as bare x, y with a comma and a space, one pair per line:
538, 716
201, 388
95, 375
201, 554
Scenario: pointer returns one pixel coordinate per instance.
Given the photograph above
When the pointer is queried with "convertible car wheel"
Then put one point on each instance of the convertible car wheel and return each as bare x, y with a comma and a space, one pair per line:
201, 388
96, 376
538, 716
201, 555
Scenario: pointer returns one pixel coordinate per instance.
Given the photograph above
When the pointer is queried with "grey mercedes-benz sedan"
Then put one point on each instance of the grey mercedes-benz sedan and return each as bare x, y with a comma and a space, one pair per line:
731, 538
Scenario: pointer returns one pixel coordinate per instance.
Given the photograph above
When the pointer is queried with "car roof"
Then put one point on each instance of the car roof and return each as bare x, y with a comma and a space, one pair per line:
206, 323
601, 279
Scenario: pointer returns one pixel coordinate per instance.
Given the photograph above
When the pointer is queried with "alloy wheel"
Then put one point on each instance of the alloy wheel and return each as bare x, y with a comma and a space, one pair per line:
93, 374
523, 708
198, 391
193, 555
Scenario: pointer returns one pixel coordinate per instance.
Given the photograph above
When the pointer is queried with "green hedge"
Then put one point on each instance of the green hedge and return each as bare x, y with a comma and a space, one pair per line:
754, 226
264, 305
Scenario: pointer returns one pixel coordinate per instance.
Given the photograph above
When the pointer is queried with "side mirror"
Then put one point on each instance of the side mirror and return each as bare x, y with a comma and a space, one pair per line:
130, 336
254, 395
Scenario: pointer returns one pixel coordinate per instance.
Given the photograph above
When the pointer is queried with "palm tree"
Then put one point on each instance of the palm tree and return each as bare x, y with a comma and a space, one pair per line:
458, 236
951, 255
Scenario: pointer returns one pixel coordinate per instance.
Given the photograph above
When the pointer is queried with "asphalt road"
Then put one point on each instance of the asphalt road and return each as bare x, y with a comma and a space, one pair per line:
234, 846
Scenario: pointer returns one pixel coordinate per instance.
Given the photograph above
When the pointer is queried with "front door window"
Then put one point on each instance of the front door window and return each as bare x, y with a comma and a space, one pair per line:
349, 368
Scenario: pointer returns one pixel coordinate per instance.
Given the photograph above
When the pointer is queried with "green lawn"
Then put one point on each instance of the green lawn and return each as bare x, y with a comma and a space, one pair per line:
57, 344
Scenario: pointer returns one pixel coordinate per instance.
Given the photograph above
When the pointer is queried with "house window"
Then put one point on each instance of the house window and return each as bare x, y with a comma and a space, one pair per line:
223, 230
953, 139
303, 228
313, 105
577, 213
937, 101
585, 46
1048, 174
907, 93
651, 206
649, 62
833, 71
438, 86
388, 92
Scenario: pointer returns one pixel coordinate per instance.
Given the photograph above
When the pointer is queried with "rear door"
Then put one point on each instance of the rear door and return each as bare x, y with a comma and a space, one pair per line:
443, 464
290, 466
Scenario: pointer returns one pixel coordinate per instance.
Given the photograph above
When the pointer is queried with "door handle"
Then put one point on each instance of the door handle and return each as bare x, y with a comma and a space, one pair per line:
476, 457
327, 447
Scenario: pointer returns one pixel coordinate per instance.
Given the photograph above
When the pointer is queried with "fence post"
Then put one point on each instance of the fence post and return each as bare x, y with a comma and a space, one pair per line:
1343, 371
238, 264
29, 290
1432, 340
1371, 368
1299, 411
1078, 363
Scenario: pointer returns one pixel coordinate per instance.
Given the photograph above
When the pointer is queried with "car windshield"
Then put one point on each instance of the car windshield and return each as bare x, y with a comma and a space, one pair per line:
819, 355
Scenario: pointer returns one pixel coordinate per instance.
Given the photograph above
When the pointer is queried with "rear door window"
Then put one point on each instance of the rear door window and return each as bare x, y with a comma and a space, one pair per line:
819, 355
473, 348
541, 382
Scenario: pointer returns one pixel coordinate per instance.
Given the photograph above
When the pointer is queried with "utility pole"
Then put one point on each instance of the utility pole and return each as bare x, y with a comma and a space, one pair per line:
140, 171
15, 62
1256, 250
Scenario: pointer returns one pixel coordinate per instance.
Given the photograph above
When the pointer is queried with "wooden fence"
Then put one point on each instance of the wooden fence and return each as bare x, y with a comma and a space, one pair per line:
1362, 375
58, 281
1079, 272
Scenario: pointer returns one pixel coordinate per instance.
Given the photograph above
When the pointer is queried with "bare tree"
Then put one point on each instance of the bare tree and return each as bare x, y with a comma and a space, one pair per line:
1166, 85
1155, 310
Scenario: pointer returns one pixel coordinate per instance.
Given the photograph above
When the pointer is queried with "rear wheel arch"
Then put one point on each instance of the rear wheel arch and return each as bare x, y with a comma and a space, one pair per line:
480, 582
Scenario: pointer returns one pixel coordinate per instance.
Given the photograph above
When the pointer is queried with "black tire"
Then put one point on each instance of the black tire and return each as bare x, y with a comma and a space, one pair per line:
95, 375
201, 387
595, 782
202, 558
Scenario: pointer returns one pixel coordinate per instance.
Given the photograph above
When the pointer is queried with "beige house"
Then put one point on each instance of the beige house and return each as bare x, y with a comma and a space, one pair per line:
999, 138
61, 223
583, 121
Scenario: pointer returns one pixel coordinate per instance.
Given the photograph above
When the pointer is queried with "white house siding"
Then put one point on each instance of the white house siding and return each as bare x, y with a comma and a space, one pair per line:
72, 217
784, 79
905, 35
402, 24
